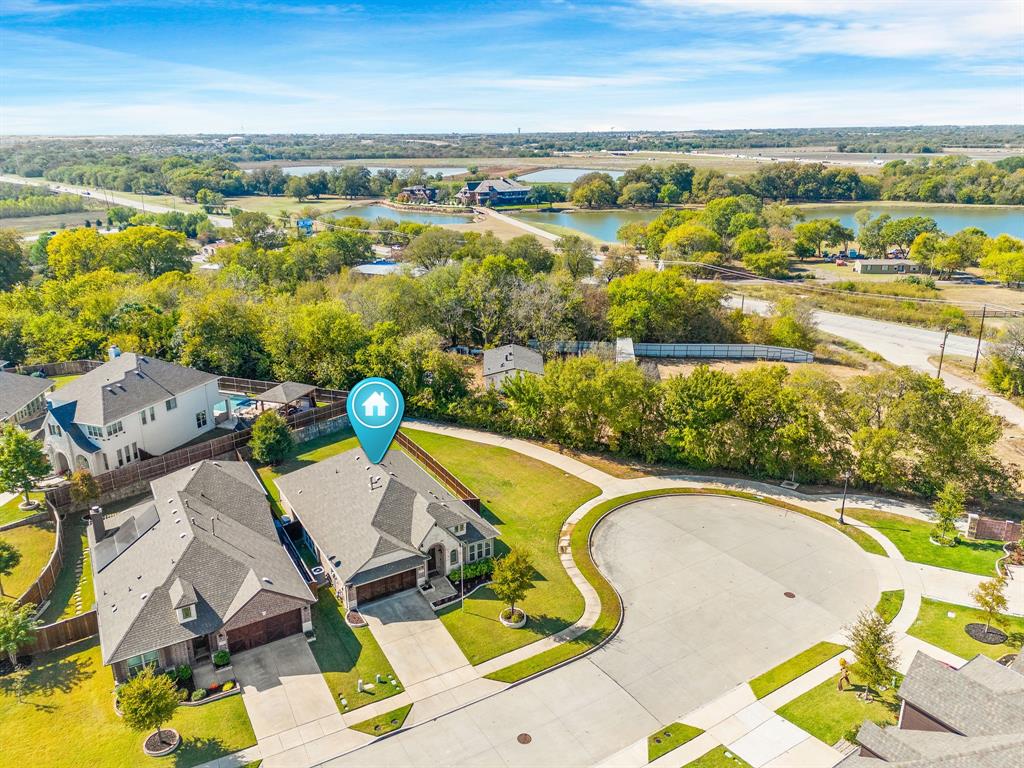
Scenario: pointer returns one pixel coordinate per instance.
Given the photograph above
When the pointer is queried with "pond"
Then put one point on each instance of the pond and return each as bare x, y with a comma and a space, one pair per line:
305, 170
373, 211
992, 220
566, 175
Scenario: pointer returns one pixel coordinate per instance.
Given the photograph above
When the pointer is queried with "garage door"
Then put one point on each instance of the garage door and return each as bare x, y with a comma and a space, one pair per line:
265, 631
388, 586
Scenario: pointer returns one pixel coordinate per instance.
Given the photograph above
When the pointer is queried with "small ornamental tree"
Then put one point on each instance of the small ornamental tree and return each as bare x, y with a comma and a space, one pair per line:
949, 508
17, 628
84, 488
147, 701
22, 461
513, 575
990, 597
874, 645
9, 559
272, 441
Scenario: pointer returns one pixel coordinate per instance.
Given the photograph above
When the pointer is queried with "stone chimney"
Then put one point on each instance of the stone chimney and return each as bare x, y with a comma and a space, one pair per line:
96, 521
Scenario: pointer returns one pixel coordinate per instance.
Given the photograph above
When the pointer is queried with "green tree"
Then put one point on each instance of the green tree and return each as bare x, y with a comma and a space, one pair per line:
75, 251
593, 190
687, 240
949, 508
771, 263
147, 701
532, 251
17, 628
576, 255
874, 646
638, 194
83, 486
22, 461
434, 248
210, 201
297, 187
665, 307
256, 229
14, 266
150, 250
512, 577
272, 440
752, 241
990, 597
10, 558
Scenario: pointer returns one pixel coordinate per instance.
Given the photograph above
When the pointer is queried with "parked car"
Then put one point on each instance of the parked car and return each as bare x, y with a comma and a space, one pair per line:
840, 263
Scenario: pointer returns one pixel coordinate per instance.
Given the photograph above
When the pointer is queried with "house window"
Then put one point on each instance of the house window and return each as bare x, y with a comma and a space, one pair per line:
92, 431
488, 548
201, 419
144, 416
135, 451
187, 612
106, 464
455, 557
136, 663
114, 429
152, 414
54, 430
171, 404
120, 458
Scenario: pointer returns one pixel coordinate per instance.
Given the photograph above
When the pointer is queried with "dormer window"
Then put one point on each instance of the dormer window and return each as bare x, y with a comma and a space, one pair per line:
186, 613
459, 529
183, 598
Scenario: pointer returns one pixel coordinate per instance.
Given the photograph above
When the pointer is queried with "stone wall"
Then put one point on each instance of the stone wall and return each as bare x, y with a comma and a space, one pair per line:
337, 424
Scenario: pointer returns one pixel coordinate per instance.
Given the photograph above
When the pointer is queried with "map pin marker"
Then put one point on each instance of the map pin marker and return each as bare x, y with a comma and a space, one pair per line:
375, 408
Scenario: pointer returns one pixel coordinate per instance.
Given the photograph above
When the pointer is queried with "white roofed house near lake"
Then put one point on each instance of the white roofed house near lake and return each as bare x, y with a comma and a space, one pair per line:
130, 408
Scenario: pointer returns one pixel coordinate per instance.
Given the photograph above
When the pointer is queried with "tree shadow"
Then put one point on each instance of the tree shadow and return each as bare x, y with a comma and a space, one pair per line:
51, 673
195, 750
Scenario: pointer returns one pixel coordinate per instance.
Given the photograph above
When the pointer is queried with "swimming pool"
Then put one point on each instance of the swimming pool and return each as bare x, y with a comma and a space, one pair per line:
237, 401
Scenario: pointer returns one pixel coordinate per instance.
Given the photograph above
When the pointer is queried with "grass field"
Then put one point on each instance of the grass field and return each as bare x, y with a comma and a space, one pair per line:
790, 670
934, 626
830, 714
889, 605
668, 738
912, 538
35, 543
346, 654
719, 757
32, 225
63, 604
63, 381
66, 719
10, 512
386, 723
527, 501
272, 206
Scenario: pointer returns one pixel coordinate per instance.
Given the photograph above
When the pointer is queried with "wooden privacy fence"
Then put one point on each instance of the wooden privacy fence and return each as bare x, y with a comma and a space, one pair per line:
41, 588
453, 483
66, 368
63, 632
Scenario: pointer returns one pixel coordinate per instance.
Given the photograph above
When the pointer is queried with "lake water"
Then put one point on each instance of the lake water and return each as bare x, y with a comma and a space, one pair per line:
993, 221
305, 170
565, 175
373, 211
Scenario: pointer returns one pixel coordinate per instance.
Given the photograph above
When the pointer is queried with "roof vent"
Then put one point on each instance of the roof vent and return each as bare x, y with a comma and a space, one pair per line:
144, 595
182, 535
113, 609
266, 580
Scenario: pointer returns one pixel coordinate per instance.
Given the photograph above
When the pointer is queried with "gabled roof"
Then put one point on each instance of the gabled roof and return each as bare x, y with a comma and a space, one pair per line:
285, 392
512, 357
64, 415
495, 185
370, 520
214, 544
17, 391
126, 385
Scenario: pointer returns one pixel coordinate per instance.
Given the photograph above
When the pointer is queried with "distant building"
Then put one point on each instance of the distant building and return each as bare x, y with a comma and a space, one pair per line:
493, 191
387, 267
420, 194
502, 362
886, 267
951, 718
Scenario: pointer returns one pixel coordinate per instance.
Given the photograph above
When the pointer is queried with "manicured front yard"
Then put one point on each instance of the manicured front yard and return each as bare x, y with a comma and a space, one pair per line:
9, 512
668, 738
35, 542
912, 539
719, 757
386, 723
934, 626
830, 714
345, 655
527, 500
66, 719
889, 605
63, 602
790, 670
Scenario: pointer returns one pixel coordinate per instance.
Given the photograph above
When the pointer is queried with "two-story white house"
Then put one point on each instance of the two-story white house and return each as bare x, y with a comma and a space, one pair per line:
130, 408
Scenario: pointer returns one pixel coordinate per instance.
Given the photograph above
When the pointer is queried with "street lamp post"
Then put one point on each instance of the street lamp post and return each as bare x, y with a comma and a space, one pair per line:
842, 508
942, 351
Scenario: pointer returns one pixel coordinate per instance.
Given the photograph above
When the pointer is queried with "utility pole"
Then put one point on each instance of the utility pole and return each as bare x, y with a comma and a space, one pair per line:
842, 508
977, 351
462, 577
942, 351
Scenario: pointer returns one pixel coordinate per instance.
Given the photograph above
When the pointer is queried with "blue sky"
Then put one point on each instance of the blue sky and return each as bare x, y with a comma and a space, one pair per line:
117, 66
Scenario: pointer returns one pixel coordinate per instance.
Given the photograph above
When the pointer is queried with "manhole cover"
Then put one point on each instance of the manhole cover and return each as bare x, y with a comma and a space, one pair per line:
524, 738
789, 594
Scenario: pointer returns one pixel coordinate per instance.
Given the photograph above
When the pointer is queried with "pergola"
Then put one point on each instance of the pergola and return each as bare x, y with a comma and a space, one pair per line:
286, 393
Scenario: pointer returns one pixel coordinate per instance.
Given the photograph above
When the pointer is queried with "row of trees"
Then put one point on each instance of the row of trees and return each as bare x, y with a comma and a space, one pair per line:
39, 205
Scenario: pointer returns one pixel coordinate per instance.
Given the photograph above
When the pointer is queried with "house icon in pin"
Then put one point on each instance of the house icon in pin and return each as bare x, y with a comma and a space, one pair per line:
375, 405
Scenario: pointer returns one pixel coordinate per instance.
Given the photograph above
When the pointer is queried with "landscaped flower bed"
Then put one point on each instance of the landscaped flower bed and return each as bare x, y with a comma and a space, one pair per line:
213, 693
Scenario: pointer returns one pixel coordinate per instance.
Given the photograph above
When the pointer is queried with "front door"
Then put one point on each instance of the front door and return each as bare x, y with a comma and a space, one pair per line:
436, 560
200, 647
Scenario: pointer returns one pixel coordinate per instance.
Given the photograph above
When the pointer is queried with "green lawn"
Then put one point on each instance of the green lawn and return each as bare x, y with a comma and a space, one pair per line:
63, 604
63, 381
790, 670
911, 537
830, 714
527, 500
386, 723
719, 757
35, 542
935, 627
889, 604
66, 719
345, 654
9, 512
668, 738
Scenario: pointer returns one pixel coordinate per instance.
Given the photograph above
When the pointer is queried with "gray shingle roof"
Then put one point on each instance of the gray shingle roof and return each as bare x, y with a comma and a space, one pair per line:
983, 704
495, 185
367, 517
126, 385
17, 391
285, 392
215, 543
512, 357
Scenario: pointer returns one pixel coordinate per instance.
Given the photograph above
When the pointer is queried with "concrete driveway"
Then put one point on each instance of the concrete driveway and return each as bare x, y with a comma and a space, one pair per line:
285, 695
414, 639
703, 581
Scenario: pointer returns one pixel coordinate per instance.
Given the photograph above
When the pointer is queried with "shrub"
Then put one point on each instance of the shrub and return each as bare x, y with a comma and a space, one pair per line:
221, 658
214, 688
198, 694
182, 694
229, 685
473, 570
183, 673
